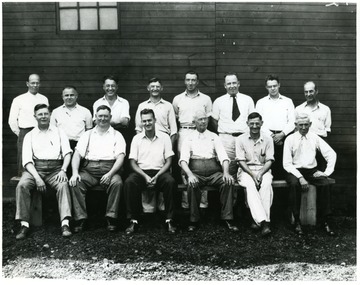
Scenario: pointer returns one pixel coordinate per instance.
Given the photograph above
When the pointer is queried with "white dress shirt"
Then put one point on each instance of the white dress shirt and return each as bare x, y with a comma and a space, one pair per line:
50, 144
93, 145
185, 107
22, 111
164, 114
222, 112
206, 145
73, 122
300, 152
120, 108
320, 117
151, 154
277, 114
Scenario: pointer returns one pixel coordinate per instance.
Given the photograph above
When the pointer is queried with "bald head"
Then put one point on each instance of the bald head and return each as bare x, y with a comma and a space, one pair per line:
33, 84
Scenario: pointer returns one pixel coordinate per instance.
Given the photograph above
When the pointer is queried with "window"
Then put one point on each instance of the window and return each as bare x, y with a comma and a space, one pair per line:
88, 16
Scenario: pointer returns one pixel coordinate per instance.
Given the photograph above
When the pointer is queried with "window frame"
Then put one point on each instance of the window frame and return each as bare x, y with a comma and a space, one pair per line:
78, 31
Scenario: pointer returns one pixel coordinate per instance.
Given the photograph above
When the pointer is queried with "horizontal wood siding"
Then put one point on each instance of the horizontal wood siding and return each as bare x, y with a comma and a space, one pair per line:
298, 41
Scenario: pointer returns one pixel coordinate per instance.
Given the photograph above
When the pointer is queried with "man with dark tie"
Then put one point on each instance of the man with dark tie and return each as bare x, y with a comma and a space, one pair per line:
300, 163
229, 116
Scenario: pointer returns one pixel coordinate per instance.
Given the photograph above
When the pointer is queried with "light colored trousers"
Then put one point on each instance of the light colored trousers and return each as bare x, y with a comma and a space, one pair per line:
259, 201
47, 170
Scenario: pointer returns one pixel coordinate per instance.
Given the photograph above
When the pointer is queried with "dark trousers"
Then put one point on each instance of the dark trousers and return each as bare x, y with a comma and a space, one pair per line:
208, 172
47, 170
322, 190
136, 183
277, 168
91, 173
20, 141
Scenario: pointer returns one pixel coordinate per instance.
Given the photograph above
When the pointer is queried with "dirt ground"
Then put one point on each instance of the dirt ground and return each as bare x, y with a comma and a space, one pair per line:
211, 253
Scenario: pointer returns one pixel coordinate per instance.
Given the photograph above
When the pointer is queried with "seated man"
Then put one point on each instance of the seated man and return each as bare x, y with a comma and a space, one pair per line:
300, 163
255, 153
46, 156
199, 158
103, 151
150, 159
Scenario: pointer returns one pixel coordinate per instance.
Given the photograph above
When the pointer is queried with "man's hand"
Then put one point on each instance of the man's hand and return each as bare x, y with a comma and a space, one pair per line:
228, 179
278, 138
304, 184
257, 179
40, 184
61, 176
105, 179
154, 180
148, 180
319, 173
74, 179
193, 181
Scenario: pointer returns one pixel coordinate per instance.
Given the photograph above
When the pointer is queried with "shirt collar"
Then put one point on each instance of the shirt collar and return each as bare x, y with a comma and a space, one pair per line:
280, 96
161, 101
198, 93
63, 105
236, 95
95, 130
145, 137
51, 128
118, 98
317, 104
260, 139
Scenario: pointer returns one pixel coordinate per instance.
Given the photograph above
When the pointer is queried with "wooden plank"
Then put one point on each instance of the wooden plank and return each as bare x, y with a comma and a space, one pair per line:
22, 7
194, 6
159, 14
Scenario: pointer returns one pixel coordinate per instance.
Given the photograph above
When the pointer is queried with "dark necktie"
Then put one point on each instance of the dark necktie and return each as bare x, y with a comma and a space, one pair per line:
235, 109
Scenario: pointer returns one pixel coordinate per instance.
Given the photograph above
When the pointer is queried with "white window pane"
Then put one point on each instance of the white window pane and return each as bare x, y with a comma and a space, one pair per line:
88, 19
108, 19
68, 19
107, 3
87, 4
67, 4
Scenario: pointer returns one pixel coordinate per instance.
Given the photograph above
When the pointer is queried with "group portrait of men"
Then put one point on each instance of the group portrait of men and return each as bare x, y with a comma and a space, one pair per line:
230, 141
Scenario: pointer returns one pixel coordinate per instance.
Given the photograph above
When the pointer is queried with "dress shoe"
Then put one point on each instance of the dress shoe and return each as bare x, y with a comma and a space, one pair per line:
65, 231
230, 225
254, 226
22, 233
328, 230
170, 227
193, 227
80, 226
131, 228
298, 229
265, 229
111, 224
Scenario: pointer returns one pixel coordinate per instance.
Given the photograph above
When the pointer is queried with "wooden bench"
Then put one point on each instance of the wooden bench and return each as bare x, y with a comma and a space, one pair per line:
307, 211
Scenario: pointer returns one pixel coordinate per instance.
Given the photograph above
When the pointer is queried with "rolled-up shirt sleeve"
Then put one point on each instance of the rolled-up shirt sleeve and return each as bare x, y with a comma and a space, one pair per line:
220, 150
330, 156
120, 144
82, 144
27, 153
185, 152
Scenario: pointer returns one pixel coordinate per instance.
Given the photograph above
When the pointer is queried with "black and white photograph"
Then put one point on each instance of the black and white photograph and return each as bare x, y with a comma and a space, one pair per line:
171, 141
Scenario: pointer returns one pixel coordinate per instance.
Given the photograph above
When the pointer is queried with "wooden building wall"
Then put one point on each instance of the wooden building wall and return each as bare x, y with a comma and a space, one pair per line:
298, 41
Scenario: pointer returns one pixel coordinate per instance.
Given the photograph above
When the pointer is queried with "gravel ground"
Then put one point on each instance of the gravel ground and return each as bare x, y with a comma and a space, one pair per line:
209, 254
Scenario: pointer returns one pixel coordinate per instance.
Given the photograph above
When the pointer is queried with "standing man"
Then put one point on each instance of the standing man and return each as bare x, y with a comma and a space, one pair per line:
278, 113
21, 117
103, 152
229, 114
255, 153
119, 106
46, 156
186, 104
72, 118
204, 160
150, 159
319, 114
164, 112
300, 163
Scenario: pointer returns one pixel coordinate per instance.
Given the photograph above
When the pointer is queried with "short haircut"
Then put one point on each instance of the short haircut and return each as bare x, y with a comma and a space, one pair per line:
272, 77
33, 74
231, 74
254, 115
315, 87
200, 114
103, 107
41, 106
302, 116
193, 73
111, 77
147, 111
70, 87
154, 79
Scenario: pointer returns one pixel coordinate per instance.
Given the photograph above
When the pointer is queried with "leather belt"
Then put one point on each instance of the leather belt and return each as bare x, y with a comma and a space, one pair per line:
188, 127
275, 132
233, 134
